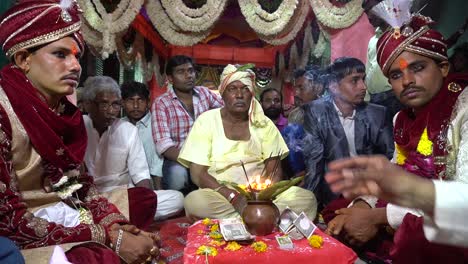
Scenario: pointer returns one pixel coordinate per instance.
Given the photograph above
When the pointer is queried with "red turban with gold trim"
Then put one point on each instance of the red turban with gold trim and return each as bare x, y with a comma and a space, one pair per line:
38, 22
415, 37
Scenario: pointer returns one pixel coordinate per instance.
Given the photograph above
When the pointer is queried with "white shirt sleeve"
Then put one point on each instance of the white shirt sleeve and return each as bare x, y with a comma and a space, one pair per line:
370, 200
395, 214
136, 161
449, 224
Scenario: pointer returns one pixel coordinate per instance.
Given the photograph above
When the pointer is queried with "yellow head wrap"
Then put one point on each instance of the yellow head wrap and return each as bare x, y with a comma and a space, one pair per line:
232, 73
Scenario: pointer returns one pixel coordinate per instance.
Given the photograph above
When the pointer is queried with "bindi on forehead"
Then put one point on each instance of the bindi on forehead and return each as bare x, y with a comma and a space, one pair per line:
74, 50
403, 64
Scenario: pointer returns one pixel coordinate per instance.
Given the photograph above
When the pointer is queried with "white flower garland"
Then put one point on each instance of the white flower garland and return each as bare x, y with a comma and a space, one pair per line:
320, 46
307, 47
337, 17
194, 20
109, 24
168, 30
297, 22
126, 56
266, 23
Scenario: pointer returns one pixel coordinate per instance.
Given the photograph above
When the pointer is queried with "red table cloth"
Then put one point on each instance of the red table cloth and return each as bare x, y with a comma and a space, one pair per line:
332, 251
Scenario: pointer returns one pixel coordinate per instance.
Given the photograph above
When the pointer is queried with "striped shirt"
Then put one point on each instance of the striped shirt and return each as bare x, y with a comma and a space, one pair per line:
172, 122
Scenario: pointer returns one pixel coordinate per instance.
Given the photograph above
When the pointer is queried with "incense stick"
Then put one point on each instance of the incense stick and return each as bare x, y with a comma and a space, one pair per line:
264, 167
245, 173
276, 166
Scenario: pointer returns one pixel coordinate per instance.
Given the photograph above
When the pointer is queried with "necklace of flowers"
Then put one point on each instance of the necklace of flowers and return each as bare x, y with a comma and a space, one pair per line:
425, 147
337, 17
194, 19
109, 24
154, 68
266, 23
290, 31
168, 30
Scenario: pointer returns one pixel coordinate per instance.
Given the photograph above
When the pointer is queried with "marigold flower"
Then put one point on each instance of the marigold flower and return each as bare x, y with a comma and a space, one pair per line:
316, 241
424, 144
400, 156
208, 251
259, 246
233, 246
215, 235
214, 228
207, 221
217, 243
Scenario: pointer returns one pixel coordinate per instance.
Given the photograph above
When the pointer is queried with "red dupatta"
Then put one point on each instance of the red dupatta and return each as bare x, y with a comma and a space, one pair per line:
60, 139
435, 116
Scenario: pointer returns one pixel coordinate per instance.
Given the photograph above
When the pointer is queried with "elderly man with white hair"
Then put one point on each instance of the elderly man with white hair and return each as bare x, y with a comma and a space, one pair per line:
114, 155
221, 138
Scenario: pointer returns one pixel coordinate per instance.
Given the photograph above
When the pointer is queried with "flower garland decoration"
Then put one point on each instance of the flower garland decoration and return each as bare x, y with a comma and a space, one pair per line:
425, 148
109, 24
233, 246
290, 31
425, 144
321, 46
259, 246
127, 57
170, 31
316, 241
194, 20
265, 23
337, 17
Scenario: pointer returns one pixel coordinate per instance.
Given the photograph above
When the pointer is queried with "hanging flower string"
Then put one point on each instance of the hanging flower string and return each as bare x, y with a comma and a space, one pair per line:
316, 241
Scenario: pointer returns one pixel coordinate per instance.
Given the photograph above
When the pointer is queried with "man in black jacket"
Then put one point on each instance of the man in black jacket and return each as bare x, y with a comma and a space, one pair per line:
342, 125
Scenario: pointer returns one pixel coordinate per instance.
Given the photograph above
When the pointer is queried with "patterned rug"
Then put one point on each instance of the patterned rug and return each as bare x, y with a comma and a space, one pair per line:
173, 234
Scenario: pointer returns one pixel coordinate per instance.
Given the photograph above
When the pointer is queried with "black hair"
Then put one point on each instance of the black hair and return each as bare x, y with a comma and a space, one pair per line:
461, 49
267, 90
175, 61
302, 71
130, 89
344, 66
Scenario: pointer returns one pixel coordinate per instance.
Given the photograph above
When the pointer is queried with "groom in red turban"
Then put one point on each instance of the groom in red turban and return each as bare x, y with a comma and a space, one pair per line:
42, 145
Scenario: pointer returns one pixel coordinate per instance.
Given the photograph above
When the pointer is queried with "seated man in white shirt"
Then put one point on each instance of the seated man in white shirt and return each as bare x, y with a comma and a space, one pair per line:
136, 103
114, 154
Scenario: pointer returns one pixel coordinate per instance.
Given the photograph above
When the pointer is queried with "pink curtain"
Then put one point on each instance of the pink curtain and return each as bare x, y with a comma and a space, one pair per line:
352, 41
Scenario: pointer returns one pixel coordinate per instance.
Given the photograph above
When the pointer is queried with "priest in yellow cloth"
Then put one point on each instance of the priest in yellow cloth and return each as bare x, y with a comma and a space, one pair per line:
221, 139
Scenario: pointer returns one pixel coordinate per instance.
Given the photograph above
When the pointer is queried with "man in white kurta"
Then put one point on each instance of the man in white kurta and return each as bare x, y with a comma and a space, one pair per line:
114, 155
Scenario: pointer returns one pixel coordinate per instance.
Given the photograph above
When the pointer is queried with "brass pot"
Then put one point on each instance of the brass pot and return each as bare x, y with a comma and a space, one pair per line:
260, 217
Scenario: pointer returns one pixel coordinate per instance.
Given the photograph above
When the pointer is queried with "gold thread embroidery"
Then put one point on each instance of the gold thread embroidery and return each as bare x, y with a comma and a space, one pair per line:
98, 233
112, 218
43, 39
37, 224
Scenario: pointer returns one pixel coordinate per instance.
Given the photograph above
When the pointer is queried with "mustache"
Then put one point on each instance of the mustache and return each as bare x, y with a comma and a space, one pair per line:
75, 76
410, 89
